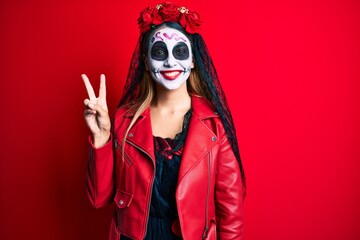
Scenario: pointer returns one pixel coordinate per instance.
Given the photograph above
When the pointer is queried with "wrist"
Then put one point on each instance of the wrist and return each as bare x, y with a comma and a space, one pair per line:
100, 139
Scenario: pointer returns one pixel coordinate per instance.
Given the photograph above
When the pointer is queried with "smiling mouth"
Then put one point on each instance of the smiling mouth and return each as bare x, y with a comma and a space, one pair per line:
170, 75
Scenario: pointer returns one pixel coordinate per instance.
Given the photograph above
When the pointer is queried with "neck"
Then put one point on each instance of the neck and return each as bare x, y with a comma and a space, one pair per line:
172, 100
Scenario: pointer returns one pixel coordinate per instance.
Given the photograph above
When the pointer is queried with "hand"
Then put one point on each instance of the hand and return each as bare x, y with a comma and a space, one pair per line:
96, 112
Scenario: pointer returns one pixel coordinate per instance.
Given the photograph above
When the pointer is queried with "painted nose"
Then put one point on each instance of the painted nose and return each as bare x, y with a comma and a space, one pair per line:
170, 61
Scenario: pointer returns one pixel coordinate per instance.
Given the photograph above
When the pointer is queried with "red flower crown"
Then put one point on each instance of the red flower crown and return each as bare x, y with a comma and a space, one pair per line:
169, 12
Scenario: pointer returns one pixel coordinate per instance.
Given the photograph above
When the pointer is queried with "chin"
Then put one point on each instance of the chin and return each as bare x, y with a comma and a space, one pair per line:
173, 85
171, 88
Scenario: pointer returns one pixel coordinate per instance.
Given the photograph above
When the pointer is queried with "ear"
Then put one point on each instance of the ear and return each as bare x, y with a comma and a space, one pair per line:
192, 64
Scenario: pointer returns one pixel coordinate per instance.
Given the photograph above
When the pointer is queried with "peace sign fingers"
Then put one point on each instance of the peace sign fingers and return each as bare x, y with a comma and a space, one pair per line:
89, 88
96, 112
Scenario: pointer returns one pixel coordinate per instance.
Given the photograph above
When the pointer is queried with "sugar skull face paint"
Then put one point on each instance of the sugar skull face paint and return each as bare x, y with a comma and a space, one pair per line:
169, 58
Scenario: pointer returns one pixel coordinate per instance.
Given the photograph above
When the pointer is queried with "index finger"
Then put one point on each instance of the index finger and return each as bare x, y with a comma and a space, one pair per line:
89, 88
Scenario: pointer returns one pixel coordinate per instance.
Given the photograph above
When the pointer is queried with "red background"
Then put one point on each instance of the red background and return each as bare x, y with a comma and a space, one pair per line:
291, 73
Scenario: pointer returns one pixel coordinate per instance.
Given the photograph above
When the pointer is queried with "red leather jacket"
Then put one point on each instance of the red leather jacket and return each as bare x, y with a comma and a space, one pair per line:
209, 189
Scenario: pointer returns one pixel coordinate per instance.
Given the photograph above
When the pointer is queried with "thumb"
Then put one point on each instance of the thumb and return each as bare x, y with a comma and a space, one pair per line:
99, 110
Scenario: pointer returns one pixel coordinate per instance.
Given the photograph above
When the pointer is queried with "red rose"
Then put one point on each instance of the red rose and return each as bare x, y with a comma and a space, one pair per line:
157, 18
169, 12
146, 18
190, 22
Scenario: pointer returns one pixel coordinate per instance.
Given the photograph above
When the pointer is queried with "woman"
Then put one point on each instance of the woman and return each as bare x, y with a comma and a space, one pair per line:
169, 158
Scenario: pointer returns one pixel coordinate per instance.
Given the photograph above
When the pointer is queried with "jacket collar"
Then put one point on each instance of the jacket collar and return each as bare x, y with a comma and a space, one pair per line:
200, 139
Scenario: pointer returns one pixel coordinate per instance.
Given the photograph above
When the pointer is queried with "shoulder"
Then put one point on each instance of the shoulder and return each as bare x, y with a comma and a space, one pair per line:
202, 107
122, 115
204, 110
121, 111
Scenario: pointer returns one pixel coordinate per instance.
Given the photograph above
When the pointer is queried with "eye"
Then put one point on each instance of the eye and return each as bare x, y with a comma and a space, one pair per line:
159, 51
181, 51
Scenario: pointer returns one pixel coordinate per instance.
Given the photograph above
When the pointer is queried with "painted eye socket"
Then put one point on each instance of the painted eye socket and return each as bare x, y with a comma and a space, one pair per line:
159, 51
181, 51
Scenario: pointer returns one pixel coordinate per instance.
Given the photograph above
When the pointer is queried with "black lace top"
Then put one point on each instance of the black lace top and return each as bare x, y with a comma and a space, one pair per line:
163, 223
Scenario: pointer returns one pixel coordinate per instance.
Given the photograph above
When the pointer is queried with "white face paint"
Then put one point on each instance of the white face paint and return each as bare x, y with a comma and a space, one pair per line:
169, 57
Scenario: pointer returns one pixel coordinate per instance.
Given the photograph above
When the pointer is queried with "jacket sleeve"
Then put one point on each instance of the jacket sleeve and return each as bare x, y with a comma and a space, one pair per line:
99, 174
228, 194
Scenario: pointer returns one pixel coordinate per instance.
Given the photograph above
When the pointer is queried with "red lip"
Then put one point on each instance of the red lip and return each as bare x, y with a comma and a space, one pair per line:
170, 75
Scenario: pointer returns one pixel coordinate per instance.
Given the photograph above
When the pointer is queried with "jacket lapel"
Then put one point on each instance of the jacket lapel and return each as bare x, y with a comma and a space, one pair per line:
200, 139
140, 135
